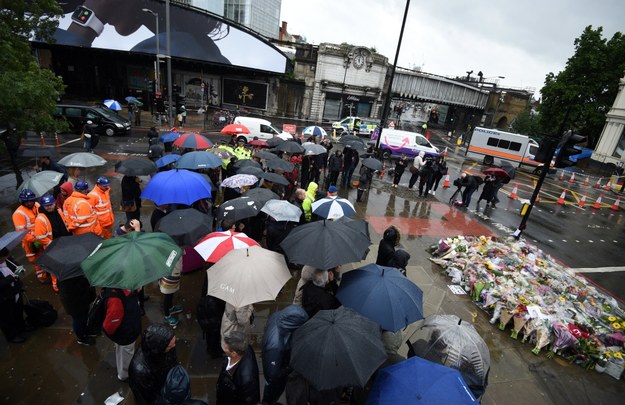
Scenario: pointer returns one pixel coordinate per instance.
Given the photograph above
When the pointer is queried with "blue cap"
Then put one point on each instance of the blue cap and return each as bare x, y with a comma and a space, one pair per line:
332, 189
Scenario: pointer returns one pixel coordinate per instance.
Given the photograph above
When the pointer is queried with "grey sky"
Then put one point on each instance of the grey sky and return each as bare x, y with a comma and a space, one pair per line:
521, 40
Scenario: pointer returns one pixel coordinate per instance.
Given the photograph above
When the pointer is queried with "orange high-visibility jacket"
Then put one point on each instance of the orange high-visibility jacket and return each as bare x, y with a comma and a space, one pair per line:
24, 219
43, 229
101, 201
80, 215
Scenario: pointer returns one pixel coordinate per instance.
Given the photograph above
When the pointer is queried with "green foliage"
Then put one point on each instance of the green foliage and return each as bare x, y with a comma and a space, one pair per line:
527, 123
581, 94
28, 92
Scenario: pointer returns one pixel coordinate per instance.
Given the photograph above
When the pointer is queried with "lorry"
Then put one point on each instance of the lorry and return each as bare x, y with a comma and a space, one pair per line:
493, 146
346, 125
260, 128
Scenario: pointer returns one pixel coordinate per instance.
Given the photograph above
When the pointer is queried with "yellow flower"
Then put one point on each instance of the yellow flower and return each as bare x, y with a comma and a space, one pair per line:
611, 318
562, 299
618, 355
617, 325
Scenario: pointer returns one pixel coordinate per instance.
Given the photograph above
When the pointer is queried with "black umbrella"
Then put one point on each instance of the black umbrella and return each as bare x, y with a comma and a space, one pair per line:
351, 138
372, 163
265, 155
274, 178
11, 239
186, 226
253, 170
136, 167
337, 348
290, 147
38, 152
241, 163
279, 164
356, 224
261, 195
275, 141
238, 208
64, 255
356, 145
325, 244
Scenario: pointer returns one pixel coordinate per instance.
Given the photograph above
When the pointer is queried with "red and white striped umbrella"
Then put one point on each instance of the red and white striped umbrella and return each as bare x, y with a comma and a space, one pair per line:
216, 245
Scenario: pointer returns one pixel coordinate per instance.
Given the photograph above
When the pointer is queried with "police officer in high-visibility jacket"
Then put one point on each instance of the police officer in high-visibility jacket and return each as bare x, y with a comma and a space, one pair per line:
79, 213
24, 220
49, 225
101, 200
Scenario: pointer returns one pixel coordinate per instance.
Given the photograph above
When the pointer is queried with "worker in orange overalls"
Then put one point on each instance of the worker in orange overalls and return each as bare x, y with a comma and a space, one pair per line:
101, 200
80, 216
49, 225
24, 220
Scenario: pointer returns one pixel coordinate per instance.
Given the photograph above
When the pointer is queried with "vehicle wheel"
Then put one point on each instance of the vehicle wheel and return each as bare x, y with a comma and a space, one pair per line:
488, 160
537, 171
242, 139
109, 131
386, 154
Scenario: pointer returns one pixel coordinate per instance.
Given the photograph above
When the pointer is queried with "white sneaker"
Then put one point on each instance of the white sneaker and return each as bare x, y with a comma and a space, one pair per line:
433, 192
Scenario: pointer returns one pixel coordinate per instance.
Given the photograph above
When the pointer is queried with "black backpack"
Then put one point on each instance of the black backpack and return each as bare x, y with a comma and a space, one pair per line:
479, 180
40, 313
97, 311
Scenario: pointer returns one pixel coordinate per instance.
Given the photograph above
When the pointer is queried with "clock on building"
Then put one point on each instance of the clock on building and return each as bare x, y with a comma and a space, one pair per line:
359, 59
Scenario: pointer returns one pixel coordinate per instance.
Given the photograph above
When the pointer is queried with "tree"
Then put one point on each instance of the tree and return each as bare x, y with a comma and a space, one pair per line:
579, 96
29, 92
527, 123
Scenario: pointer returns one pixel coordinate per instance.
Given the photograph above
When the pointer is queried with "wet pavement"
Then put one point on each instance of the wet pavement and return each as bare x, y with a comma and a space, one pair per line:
51, 368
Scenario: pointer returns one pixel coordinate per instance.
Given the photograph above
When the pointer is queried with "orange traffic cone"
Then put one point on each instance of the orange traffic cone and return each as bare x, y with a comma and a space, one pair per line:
56, 139
597, 203
445, 152
537, 200
572, 179
587, 181
561, 175
562, 197
582, 202
446, 182
617, 204
43, 139
608, 186
514, 191
598, 183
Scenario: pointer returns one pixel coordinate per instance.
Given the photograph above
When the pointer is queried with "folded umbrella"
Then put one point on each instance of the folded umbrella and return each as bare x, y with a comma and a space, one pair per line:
249, 275
136, 167
282, 210
199, 160
337, 348
333, 208
261, 195
383, 295
290, 147
82, 159
177, 187
234, 129
42, 182
216, 245
186, 226
167, 160
238, 208
274, 178
239, 180
131, 261
38, 152
169, 137
279, 164
64, 255
11, 239
193, 141
372, 163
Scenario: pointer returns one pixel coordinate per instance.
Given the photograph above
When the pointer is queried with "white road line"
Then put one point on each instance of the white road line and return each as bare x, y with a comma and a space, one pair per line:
598, 269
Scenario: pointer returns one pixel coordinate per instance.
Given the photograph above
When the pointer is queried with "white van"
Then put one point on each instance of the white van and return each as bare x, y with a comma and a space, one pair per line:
394, 142
259, 128
493, 146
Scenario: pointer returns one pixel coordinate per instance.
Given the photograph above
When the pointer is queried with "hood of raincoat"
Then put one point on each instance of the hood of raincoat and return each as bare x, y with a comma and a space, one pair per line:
156, 338
421, 154
312, 189
392, 235
291, 318
177, 388
67, 186
400, 259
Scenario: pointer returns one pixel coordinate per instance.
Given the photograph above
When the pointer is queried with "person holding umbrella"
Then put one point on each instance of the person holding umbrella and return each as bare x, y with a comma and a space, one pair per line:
366, 175
11, 304
131, 195
335, 164
24, 220
489, 190
101, 200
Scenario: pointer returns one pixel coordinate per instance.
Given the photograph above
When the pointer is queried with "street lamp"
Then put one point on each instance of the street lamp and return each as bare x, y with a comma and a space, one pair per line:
169, 88
157, 73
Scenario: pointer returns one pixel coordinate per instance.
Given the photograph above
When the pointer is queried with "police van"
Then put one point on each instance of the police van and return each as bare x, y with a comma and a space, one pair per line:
492, 146
365, 127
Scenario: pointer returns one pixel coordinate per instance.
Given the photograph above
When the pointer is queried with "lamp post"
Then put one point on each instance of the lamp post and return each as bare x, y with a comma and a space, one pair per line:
157, 71
169, 87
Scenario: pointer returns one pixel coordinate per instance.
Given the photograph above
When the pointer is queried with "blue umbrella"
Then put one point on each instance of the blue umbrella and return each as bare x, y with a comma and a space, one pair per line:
167, 160
134, 100
419, 381
383, 295
113, 105
169, 137
314, 131
177, 187
199, 160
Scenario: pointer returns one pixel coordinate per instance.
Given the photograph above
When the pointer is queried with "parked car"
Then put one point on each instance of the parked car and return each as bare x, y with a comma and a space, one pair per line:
106, 121
260, 128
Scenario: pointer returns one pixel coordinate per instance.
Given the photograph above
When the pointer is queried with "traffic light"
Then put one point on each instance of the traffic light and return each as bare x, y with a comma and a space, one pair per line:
566, 146
546, 149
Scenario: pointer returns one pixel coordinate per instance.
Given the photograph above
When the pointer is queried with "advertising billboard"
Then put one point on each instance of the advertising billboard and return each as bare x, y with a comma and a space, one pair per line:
125, 25
245, 93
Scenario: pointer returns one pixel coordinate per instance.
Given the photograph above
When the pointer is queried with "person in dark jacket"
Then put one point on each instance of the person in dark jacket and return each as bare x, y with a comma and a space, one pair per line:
277, 349
366, 175
440, 170
489, 190
350, 161
399, 260
386, 249
238, 381
131, 191
315, 296
400, 167
210, 311
470, 186
151, 363
11, 302
122, 325
177, 389
76, 294
335, 165
276, 232
425, 176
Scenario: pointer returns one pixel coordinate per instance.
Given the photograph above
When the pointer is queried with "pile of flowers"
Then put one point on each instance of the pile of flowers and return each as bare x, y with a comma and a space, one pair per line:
541, 300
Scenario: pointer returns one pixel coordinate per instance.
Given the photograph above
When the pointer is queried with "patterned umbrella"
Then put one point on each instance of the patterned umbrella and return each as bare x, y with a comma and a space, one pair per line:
333, 208
238, 208
113, 105
239, 180
314, 131
216, 245
193, 141
234, 129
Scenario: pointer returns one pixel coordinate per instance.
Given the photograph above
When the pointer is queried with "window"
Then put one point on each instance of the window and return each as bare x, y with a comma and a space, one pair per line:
73, 112
503, 144
515, 146
492, 142
266, 129
619, 149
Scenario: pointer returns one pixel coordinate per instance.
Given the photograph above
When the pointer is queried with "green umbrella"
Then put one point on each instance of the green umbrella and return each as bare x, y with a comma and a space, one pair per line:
131, 261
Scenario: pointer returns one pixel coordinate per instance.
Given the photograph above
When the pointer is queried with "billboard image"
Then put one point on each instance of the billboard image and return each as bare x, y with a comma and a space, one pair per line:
123, 25
245, 93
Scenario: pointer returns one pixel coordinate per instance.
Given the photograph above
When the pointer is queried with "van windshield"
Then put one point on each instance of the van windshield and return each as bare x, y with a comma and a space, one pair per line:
104, 111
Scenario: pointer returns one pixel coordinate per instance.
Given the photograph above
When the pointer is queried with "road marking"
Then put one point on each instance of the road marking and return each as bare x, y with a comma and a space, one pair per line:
598, 269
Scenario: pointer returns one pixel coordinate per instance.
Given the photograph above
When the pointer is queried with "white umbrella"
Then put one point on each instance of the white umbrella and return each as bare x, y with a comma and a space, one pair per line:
282, 210
333, 208
40, 183
82, 159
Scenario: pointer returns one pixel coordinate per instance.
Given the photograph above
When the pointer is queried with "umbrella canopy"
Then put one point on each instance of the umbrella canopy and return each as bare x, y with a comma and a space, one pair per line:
266, 155
82, 159
216, 245
169, 137
383, 295
356, 145
239, 180
282, 210
261, 195
40, 183
136, 167
246, 276
372, 163
238, 208
253, 170
275, 141
357, 225
199, 160
193, 141
312, 149
333, 208
131, 261
325, 244
38, 152
247, 162
167, 160
11, 239
64, 255
186, 226
314, 131
496, 171
134, 100
235, 129
337, 348
447, 340
351, 138
113, 105
418, 381
177, 187
279, 164
290, 147
259, 143
274, 178
222, 152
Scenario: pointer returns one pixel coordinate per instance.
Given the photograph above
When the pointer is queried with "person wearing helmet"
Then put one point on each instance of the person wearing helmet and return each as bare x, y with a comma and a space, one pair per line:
80, 215
101, 200
24, 220
49, 225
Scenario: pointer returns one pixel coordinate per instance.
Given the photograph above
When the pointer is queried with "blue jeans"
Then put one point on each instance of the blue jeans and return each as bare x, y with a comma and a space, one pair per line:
274, 389
466, 197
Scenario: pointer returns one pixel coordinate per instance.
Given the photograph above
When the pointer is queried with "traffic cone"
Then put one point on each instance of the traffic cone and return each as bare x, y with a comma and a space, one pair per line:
561, 175
446, 182
582, 202
514, 191
445, 152
56, 139
608, 186
587, 181
537, 200
572, 179
617, 204
598, 183
43, 139
597, 203
562, 197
